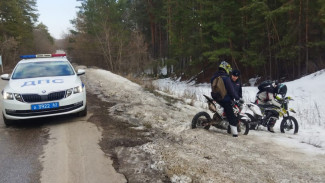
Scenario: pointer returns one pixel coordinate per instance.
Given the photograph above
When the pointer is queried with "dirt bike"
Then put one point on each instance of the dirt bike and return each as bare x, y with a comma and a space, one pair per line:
219, 120
272, 113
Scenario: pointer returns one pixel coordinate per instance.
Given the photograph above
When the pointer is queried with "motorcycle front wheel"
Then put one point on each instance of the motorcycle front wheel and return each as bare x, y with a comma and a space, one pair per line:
201, 120
289, 123
243, 127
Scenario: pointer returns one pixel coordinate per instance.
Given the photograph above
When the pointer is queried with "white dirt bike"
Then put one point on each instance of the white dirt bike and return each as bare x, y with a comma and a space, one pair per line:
244, 112
272, 113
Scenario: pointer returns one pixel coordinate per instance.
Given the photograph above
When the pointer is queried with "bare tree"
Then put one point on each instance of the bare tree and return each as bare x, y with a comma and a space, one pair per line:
42, 44
8, 50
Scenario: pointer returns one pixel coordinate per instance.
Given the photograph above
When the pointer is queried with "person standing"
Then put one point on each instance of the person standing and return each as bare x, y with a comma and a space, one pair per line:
236, 82
237, 87
226, 102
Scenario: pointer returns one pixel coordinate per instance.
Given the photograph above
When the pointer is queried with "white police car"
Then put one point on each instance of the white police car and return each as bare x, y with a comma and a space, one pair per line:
43, 85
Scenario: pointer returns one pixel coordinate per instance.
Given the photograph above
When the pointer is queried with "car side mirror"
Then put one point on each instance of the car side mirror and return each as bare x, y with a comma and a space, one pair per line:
81, 72
5, 76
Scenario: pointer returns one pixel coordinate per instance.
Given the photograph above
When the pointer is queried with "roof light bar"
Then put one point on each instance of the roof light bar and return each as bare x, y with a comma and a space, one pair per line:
27, 56
42, 56
59, 55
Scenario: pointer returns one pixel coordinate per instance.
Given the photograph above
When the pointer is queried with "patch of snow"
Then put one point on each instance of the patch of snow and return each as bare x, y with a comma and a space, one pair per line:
197, 155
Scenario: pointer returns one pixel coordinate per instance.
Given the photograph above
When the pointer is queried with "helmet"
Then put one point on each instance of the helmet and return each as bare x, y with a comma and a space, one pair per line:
225, 66
235, 72
282, 89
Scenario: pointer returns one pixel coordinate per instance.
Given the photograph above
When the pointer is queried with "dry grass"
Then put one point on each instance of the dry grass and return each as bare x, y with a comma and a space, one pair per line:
188, 96
146, 83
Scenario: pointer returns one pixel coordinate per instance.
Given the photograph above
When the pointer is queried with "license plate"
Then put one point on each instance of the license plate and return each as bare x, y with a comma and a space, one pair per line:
45, 106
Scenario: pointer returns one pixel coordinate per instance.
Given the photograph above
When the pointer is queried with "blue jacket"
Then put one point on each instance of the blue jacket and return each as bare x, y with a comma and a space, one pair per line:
231, 94
238, 88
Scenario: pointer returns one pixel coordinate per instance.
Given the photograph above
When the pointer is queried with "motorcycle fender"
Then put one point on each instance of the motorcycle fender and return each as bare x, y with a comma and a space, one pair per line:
244, 118
292, 110
245, 110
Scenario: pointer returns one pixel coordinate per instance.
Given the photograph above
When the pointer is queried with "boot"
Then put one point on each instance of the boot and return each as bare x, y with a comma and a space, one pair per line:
234, 131
270, 128
271, 124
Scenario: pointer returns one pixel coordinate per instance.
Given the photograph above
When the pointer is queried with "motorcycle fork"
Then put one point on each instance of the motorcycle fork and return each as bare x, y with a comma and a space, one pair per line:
288, 123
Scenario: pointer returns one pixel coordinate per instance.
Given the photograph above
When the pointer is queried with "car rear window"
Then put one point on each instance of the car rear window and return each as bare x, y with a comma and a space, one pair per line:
42, 69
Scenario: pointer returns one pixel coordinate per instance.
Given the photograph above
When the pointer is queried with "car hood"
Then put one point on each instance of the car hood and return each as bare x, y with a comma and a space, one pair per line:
43, 85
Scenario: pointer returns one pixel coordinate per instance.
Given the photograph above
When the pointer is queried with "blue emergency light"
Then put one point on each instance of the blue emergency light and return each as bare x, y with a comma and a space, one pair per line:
42, 56
27, 56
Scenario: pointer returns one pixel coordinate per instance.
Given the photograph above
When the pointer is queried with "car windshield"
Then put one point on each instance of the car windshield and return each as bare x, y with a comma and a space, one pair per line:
42, 69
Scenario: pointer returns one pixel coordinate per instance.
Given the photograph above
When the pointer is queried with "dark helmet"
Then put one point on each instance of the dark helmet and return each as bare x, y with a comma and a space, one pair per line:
235, 72
225, 66
282, 89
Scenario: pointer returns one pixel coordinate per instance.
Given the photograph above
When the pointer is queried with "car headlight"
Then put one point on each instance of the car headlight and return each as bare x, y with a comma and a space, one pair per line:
77, 89
11, 96
74, 90
18, 97
8, 96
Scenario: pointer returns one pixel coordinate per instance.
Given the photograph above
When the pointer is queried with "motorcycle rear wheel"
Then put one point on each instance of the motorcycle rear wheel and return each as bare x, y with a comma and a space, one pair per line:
289, 123
200, 120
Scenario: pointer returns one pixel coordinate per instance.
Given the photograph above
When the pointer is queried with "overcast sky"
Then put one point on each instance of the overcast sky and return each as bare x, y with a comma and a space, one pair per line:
56, 15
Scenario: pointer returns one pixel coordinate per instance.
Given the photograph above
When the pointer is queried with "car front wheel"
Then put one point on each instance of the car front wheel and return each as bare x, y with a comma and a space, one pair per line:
83, 113
7, 122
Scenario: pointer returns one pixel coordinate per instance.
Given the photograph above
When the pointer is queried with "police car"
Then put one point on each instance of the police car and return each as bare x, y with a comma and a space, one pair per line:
43, 85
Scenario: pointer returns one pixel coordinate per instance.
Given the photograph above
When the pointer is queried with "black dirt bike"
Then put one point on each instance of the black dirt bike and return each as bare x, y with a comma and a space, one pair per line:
272, 113
219, 120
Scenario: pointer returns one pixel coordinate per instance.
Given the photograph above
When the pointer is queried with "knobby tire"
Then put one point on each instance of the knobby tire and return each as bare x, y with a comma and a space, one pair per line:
284, 123
199, 119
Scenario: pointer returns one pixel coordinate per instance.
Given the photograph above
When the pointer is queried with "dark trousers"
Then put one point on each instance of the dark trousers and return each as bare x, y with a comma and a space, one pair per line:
268, 115
229, 113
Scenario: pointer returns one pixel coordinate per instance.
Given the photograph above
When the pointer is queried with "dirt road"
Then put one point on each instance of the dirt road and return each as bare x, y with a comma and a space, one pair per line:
72, 154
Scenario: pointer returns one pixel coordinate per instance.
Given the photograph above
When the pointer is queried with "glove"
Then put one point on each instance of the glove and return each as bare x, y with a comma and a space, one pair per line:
236, 102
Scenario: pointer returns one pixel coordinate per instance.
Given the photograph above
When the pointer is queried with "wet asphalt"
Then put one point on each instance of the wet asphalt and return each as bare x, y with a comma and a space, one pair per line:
20, 148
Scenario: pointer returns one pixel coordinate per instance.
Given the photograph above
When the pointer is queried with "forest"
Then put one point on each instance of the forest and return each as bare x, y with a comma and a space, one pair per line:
272, 39
19, 33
